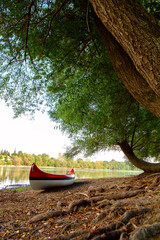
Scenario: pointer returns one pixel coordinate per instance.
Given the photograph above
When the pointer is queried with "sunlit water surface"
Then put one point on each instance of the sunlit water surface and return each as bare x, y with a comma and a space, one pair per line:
17, 175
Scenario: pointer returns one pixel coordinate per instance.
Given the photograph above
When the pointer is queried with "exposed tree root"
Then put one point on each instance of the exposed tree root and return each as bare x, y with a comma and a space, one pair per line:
124, 236
122, 221
92, 191
109, 232
146, 232
101, 216
116, 196
74, 206
111, 212
112, 235
71, 236
47, 215
151, 175
155, 182
131, 202
104, 203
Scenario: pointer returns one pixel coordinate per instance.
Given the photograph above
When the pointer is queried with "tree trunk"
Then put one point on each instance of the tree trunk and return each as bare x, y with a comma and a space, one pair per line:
125, 69
139, 163
132, 37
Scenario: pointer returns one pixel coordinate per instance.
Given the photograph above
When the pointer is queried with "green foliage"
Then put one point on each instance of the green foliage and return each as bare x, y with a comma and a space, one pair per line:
97, 112
152, 6
52, 58
45, 40
33, 30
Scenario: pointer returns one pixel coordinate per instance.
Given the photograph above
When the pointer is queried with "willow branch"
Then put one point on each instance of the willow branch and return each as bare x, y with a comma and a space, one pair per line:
50, 24
87, 22
135, 144
32, 60
135, 126
138, 147
27, 28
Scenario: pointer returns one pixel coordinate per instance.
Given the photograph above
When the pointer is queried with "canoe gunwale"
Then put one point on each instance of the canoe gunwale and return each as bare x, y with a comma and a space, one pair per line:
47, 178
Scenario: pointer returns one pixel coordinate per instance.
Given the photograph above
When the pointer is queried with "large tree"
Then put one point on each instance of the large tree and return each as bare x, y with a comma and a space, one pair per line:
98, 113
57, 42
131, 36
130, 33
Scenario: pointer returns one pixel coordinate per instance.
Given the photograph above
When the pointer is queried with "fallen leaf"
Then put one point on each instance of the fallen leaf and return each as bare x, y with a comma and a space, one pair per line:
41, 230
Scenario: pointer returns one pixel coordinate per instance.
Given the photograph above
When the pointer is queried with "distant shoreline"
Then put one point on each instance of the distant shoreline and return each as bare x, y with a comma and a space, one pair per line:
95, 169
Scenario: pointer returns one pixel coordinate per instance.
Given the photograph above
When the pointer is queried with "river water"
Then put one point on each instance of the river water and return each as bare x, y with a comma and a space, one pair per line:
17, 175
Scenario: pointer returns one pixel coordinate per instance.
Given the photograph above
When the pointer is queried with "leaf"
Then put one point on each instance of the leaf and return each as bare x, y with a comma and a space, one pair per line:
41, 230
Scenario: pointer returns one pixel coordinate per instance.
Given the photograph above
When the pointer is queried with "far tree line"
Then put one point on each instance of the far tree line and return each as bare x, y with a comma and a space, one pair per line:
20, 158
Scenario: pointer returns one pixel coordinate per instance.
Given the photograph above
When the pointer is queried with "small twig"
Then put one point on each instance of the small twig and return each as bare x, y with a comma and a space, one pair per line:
15, 58
83, 194
32, 60
135, 144
10, 236
35, 230
87, 22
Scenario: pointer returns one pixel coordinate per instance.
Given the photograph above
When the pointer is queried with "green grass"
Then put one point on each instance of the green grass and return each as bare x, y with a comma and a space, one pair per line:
19, 189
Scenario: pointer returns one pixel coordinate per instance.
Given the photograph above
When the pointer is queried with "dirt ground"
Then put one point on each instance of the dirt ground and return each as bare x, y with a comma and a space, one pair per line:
111, 208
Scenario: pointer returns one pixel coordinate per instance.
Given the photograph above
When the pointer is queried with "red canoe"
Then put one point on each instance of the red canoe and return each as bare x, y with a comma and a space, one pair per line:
40, 180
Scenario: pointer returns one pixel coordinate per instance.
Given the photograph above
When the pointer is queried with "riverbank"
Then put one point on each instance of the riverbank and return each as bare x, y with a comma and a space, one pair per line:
108, 208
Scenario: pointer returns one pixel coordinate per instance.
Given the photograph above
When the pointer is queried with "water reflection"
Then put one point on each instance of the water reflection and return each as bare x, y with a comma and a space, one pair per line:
10, 175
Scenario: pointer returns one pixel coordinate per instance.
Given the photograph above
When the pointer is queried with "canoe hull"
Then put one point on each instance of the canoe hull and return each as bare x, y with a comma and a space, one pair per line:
45, 184
40, 180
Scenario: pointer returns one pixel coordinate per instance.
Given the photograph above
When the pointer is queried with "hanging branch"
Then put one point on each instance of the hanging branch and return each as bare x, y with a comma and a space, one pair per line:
27, 28
135, 126
42, 18
135, 144
89, 29
50, 24
87, 22
85, 44
32, 60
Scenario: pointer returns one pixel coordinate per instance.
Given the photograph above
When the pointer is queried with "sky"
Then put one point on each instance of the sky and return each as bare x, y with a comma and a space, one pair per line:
38, 136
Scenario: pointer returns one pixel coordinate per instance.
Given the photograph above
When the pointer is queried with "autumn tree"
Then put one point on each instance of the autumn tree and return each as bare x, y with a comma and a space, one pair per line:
16, 160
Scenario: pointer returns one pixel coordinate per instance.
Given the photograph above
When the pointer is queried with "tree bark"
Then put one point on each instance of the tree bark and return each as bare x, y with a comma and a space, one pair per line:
132, 37
125, 69
141, 164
